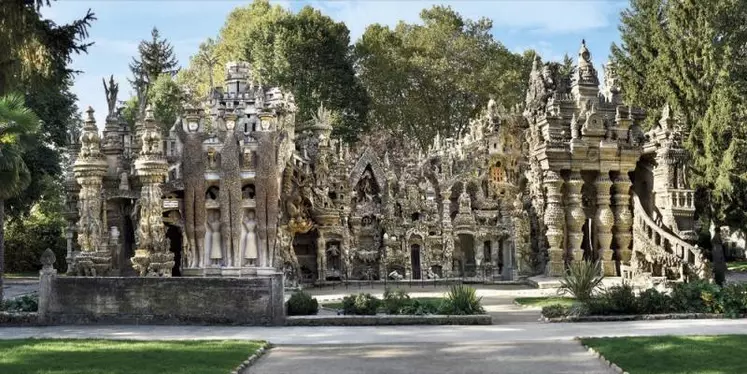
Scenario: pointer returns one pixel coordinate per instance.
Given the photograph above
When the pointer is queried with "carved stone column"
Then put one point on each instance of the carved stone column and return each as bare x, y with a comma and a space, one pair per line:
321, 258
447, 234
554, 220
623, 217
603, 220
575, 216
152, 256
521, 240
89, 169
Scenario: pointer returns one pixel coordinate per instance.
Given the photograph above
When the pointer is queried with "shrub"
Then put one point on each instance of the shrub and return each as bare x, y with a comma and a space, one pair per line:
651, 301
695, 297
462, 300
25, 303
360, 304
620, 299
555, 311
581, 280
420, 307
395, 301
733, 300
302, 304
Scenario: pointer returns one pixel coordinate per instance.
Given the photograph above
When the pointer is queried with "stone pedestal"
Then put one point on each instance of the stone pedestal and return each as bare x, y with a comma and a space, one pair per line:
604, 220
554, 217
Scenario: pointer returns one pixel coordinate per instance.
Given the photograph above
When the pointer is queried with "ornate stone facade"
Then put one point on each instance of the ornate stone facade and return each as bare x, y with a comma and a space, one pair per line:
241, 189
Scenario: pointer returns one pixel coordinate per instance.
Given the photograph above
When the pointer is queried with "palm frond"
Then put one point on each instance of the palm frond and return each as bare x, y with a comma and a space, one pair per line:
15, 117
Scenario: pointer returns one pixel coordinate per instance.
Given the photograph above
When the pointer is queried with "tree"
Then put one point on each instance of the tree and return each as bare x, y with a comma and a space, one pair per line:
433, 78
691, 55
17, 123
156, 57
307, 53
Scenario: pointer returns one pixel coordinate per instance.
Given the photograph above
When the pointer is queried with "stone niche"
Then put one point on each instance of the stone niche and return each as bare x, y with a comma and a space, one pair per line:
152, 300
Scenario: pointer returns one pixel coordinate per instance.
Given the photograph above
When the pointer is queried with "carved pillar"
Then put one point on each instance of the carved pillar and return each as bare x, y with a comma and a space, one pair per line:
554, 220
152, 256
603, 220
623, 217
321, 258
89, 169
575, 216
447, 234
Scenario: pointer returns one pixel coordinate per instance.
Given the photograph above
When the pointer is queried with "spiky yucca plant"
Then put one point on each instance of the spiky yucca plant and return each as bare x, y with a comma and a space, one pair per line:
581, 280
462, 300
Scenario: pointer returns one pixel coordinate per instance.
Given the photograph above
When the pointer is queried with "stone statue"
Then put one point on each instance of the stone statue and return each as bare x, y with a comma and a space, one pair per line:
267, 198
111, 95
249, 238
124, 181
193, 175
230, 187
213, 238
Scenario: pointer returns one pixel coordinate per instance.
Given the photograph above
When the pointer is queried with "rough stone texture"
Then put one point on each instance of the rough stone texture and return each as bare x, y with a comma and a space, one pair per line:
18, 319
147, 300
381, 320
546, 357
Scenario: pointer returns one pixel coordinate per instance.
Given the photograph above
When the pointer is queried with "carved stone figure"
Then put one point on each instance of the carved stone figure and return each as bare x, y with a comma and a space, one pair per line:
249, 238
193, 174
230, 186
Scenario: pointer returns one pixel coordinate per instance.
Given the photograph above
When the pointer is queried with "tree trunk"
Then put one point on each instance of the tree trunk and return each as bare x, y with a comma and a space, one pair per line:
717, 254
2, 247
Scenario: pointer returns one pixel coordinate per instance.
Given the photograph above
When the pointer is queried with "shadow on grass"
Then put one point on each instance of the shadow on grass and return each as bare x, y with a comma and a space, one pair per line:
122, 356
722, 354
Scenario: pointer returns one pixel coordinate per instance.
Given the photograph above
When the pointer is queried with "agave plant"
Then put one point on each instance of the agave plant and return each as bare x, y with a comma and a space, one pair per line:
581, 280
462, 300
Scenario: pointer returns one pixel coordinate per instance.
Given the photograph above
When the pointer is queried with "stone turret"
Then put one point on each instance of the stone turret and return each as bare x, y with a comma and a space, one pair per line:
585, 83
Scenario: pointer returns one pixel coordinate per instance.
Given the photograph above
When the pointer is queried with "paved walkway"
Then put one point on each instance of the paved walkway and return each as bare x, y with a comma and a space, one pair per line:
530, 358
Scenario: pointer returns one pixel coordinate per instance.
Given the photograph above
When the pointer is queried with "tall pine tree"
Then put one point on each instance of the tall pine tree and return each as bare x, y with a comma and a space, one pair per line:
691, 54
156, 57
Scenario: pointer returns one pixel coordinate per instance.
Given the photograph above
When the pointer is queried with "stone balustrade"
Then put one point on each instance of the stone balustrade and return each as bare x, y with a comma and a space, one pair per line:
682, 199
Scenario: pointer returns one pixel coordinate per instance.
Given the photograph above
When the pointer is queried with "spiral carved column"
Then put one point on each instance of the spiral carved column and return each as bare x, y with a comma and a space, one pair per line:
604, 220
554, 220
575, 216
623, 217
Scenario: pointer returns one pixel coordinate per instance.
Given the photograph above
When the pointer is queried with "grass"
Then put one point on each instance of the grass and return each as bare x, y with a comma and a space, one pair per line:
68, 356
338, 305
721, 354
737, 266
539, 302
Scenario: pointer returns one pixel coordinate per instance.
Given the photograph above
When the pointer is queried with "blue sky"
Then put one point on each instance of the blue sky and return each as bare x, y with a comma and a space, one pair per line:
551, 27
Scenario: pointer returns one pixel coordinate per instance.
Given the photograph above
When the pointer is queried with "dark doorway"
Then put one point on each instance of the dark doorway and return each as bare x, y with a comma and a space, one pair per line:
174, 234
467, 246
304, 245
128, 241
415, 260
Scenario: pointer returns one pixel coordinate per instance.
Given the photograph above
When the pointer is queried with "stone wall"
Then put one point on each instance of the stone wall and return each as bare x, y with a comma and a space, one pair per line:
148, 300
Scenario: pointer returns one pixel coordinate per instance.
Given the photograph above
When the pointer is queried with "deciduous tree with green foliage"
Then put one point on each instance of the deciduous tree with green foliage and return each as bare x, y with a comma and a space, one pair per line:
436, 76
691, 54
307, 53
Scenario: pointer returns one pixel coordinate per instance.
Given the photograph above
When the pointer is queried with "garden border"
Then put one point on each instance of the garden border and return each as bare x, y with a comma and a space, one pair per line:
389, 320
601, 357
637, 317
244, 367
19, 319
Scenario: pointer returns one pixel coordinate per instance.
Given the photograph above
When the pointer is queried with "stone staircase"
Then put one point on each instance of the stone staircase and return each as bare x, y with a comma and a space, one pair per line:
660, 255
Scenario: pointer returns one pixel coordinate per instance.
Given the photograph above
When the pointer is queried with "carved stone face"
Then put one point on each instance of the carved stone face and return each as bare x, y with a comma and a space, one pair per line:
230, 124
192, 126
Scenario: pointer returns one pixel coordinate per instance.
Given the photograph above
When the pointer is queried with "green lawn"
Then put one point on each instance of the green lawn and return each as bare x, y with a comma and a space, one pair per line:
338, 305
737, 266
540, 302
675, 354
70, 356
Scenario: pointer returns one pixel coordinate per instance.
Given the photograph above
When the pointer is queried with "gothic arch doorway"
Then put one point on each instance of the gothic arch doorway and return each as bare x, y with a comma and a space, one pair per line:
415, 261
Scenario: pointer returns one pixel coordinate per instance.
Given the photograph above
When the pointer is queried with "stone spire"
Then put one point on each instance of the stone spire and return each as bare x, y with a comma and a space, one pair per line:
585, 85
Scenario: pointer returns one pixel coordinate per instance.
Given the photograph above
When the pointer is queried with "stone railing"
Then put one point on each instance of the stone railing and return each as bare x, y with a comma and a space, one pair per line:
682, 199
663, 247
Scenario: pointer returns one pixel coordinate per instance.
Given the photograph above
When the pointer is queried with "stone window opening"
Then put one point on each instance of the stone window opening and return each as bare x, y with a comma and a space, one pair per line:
486, 252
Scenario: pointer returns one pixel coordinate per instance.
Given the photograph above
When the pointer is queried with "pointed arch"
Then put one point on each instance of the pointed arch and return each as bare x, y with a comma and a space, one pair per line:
368, 158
